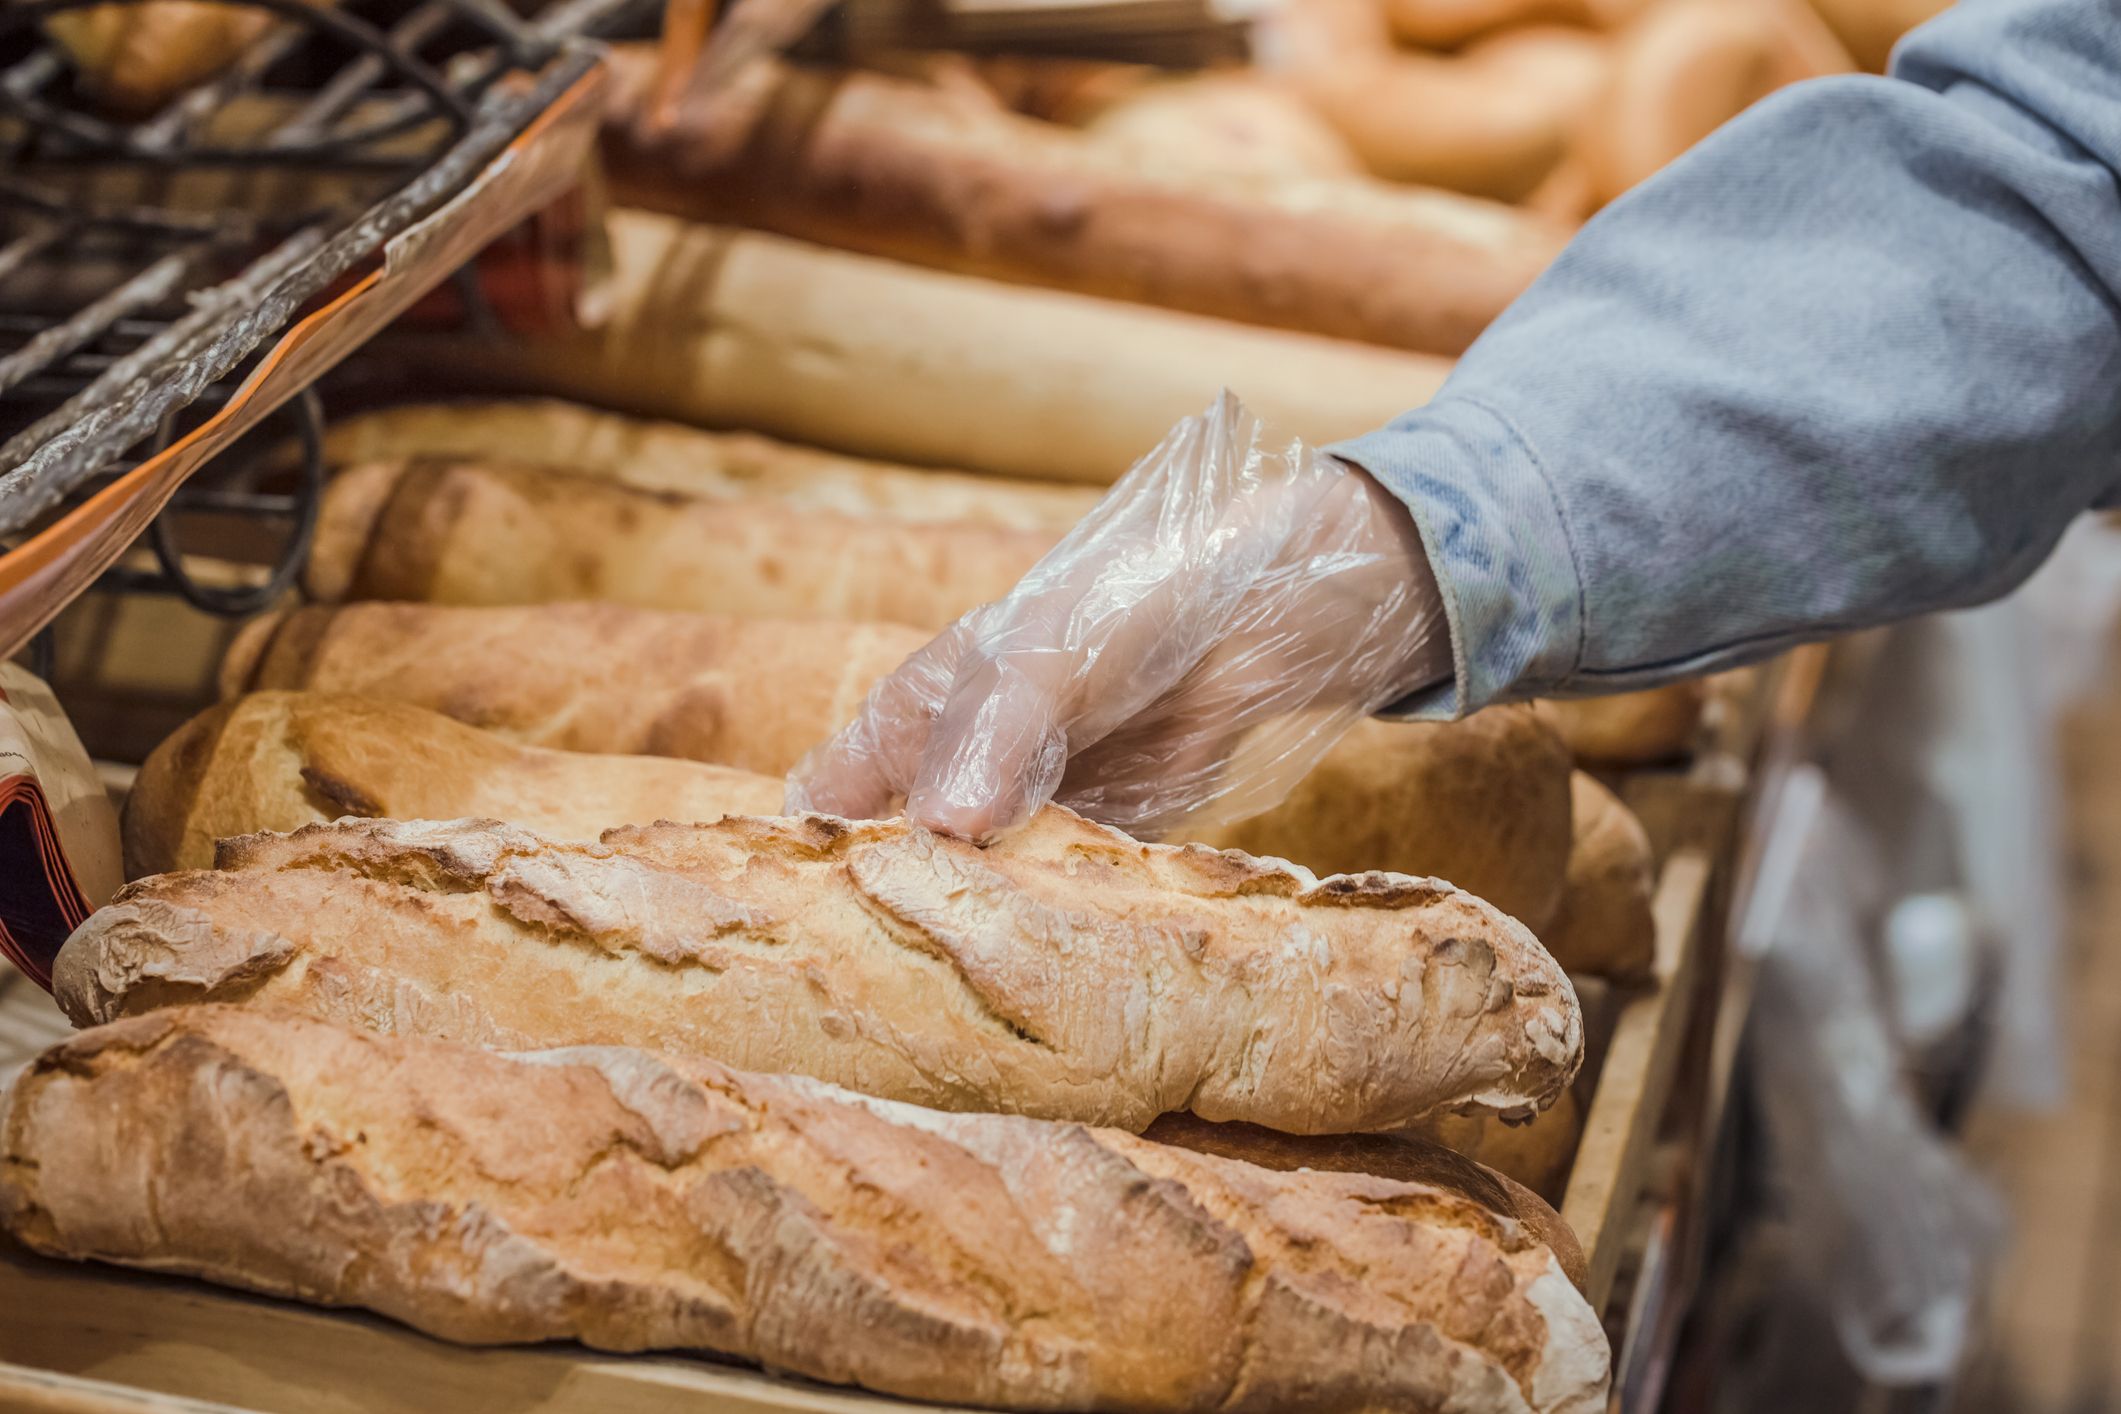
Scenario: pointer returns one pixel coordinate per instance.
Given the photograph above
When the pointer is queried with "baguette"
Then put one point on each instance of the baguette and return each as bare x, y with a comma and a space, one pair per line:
867, 162
1399, 1157
721, 466
636, 1202
1483, 802
752, 693
1629, 728
466, 533
1067, 972
281, 760
1448, 24
1604, 926
886, 360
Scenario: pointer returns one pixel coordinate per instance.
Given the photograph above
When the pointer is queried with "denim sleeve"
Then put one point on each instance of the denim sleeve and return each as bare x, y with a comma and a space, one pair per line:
1855, 357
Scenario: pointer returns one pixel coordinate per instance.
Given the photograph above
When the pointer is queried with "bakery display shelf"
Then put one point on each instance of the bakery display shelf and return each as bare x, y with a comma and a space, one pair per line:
169, 280
1629, 1197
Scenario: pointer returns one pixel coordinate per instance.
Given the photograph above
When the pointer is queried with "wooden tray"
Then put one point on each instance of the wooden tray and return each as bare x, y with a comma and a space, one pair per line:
90, 1338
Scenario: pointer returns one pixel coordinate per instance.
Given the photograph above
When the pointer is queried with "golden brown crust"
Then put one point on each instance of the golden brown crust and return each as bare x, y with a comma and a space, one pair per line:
1065, 971
1604, 926
634, 1202
1629, 728
1403, 1158
1483, 802
467, 533
924, 174
751, 693
281, 760
1240, 123
885, 359
1536, 1153
666, 456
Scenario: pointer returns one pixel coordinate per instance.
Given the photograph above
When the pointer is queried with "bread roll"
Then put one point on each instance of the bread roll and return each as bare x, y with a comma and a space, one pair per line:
1067, 971
1629, 728
866, 162
280, 760
719, 466
1491, 124
469, 533
1537, 1153
135, 58
1400, 1157
1870, 28
1483, 802
755, 693
887, 360
1604, 926
637, 1202
1681, 71
1447, 24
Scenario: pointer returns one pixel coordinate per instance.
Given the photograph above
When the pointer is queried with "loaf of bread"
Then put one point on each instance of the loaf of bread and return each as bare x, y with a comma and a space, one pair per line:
919, 172
887, 360
1483, 802
1403, 1158
135, 58
717, 466
1629, 728
473, 533
1067, 971
281, 760
1447, 24
1870, 28
755, 693
1536, 1153
632, 1202
1604, 926
1492, 124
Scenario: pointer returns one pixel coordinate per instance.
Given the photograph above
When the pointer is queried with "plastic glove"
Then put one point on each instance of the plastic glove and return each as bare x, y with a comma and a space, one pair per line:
1187, 652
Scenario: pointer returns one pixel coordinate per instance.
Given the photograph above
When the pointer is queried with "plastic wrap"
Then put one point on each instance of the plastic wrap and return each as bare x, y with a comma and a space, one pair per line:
1187, 652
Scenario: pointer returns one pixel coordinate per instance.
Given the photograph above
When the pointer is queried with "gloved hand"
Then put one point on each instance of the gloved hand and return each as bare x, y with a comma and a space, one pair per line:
1188, 651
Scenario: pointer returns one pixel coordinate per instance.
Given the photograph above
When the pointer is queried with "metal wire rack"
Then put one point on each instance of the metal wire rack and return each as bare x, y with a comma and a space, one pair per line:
147, 259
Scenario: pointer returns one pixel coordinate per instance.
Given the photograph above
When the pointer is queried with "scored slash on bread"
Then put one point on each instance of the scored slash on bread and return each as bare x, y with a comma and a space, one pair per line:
1066, 971
635, 1201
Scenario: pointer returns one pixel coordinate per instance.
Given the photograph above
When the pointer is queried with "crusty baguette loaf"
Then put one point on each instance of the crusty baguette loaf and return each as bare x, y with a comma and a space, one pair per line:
868, 162
1401, 1157
886, 360
1604, 926
1629, 728
281, 760
723, 466
633, 1202
469, 533
754, 693
1483, 802
1067, 971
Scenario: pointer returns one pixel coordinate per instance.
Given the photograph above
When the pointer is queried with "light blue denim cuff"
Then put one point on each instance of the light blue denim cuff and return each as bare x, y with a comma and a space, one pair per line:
1498, 543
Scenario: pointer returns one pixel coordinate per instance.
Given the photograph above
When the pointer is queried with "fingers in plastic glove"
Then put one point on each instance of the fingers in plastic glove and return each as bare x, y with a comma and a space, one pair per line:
1192, 647
862, 772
